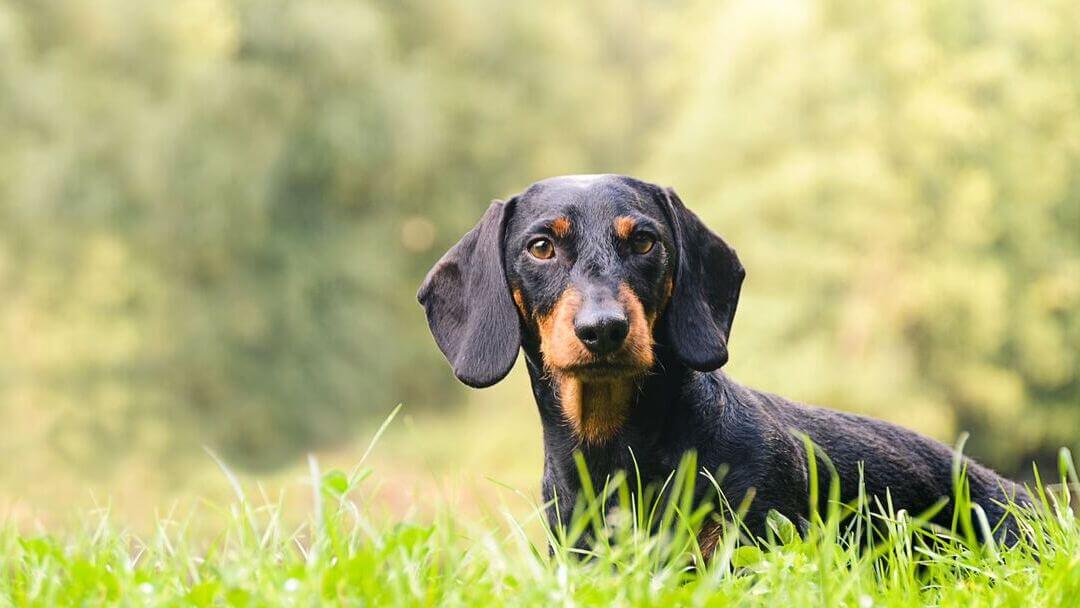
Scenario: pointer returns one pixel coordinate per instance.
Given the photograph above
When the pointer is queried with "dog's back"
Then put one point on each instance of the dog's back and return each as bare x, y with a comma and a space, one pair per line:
893, 465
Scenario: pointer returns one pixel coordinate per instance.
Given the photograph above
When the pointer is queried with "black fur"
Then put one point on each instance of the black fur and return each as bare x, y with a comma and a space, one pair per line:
708, 278
685, 403
468, 304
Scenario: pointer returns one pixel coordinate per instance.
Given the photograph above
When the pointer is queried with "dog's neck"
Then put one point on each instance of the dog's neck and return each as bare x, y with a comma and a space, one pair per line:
595, 410
655, 412
601, 416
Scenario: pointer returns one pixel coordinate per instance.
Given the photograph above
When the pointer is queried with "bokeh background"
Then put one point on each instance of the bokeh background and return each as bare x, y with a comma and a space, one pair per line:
214, 215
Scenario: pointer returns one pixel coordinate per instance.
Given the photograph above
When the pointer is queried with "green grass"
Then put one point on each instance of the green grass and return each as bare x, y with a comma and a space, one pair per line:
347, 554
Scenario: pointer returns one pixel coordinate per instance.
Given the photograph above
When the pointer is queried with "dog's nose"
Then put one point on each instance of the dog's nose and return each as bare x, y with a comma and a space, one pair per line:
602, 332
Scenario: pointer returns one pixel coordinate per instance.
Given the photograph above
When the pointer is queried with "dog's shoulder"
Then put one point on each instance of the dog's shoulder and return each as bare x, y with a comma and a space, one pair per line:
732, 416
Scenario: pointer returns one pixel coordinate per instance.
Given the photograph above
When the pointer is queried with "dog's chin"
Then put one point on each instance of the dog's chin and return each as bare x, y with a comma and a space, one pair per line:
602, 371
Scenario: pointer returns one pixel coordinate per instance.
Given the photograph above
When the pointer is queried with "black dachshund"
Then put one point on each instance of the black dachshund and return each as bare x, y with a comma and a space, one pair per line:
622, 301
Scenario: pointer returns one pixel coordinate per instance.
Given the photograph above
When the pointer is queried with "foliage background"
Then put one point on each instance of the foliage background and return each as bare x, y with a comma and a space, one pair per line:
214, 214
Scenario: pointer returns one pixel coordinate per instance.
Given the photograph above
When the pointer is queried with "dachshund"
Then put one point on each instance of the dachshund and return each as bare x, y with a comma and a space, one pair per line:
622, 301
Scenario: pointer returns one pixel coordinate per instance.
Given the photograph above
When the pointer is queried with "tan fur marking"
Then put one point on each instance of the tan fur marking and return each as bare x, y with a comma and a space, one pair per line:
639, 342
709, 538
561, 227
624, 226
559, 344
596, 410
561, 349
519, 300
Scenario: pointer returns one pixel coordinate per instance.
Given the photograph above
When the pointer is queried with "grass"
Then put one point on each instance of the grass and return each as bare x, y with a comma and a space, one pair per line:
644, 552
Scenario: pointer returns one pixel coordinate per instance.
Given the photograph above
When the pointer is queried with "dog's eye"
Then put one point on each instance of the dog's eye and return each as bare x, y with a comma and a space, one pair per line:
642, 243
542, 249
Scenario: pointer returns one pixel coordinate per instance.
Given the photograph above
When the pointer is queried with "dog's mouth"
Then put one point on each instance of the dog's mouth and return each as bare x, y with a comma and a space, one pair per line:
603, 369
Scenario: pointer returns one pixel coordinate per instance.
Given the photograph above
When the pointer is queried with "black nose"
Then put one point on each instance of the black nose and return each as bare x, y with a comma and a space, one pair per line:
602, 333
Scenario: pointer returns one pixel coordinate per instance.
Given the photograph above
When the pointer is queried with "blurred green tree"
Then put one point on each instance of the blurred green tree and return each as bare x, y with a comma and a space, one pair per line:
214, 213
902, 180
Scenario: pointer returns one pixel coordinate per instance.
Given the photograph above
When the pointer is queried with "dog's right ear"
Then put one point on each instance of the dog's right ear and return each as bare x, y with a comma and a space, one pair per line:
468, 303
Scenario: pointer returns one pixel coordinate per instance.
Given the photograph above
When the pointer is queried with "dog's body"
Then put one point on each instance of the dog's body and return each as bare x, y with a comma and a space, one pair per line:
623, 302
752, 436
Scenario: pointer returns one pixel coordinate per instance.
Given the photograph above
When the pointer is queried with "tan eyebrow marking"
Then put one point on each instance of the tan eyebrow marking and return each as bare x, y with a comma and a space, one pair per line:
561, 227
624, 226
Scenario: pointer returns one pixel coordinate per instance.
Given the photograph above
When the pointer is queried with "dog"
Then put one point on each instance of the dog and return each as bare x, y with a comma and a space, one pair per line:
622, 301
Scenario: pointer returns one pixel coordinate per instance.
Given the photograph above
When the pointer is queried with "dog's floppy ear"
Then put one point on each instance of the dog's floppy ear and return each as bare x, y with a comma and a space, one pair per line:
708, 276
468, 304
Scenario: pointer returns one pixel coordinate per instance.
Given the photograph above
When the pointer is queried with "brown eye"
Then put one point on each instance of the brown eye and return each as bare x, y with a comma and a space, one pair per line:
642, 243
542, 249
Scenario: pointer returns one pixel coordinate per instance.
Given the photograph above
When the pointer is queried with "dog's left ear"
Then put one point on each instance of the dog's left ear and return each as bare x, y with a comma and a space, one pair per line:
708, 277
468, 304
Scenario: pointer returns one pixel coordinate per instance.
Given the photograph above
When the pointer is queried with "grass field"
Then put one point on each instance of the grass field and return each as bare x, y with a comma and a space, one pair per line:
349, 552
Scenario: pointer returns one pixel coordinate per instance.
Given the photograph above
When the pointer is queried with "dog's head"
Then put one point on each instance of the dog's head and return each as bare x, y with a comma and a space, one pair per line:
595, 269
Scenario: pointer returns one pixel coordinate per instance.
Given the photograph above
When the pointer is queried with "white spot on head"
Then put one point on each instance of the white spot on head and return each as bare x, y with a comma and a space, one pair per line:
583, 181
